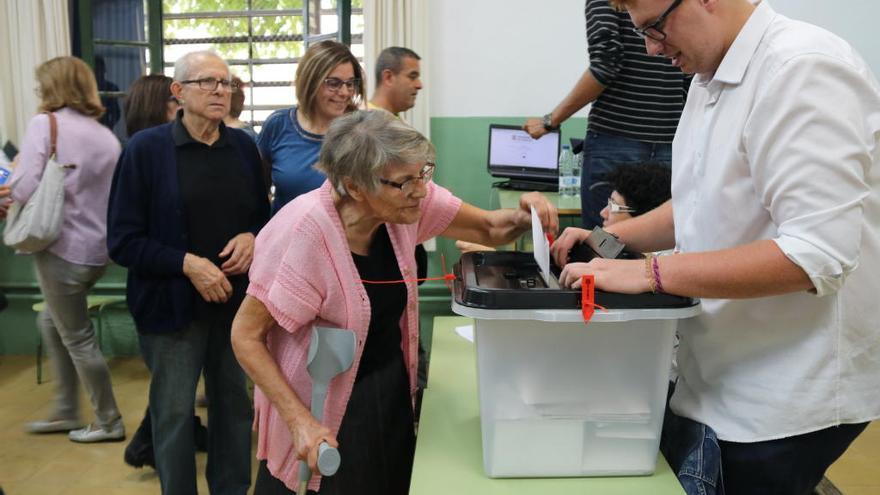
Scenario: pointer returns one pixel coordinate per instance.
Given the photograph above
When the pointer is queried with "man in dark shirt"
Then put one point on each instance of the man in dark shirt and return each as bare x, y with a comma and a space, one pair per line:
637, 101
187, 200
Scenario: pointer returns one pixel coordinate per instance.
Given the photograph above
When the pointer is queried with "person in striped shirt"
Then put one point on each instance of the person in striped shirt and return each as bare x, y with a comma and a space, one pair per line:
636, 99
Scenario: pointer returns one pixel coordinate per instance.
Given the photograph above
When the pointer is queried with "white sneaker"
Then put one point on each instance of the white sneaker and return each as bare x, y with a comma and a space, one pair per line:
93, 433
52, 426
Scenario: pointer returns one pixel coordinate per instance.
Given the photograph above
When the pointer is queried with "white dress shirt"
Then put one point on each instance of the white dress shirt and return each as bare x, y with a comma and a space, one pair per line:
781, 143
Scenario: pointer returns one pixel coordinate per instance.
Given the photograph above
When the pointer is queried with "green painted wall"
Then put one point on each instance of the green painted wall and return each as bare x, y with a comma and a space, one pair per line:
18, 331
461, 166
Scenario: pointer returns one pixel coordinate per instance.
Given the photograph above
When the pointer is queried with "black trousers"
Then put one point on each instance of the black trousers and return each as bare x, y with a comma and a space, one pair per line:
793, 465
376, 439
786, 466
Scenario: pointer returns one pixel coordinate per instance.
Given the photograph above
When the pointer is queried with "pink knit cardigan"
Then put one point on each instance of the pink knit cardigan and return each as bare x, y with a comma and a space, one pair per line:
304, 274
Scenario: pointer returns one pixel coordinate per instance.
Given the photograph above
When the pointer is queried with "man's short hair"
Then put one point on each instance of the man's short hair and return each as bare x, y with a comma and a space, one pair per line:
620, 4
391, 59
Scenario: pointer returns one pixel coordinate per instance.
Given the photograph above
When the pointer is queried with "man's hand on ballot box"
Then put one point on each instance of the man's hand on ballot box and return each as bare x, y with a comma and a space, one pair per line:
611, 275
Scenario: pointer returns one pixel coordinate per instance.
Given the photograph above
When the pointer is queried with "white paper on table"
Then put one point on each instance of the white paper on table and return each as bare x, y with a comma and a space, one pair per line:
466, 332
542, 247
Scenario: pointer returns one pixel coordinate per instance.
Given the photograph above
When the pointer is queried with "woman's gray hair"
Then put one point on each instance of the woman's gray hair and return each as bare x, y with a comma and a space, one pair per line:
360, 144
183, 67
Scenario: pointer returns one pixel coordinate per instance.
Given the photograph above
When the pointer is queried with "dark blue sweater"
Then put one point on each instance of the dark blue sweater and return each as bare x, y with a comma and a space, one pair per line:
146, 227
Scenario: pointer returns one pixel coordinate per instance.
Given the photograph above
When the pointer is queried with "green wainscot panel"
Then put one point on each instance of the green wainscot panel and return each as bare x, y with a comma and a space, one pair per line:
18, 330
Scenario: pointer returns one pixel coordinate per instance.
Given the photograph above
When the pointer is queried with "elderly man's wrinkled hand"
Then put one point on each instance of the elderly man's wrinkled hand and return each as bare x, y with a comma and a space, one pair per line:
563, 244
240, 250
546, 210
208, 280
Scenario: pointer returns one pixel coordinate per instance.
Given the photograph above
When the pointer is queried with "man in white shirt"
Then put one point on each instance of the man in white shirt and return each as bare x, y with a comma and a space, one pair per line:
398, 80
775, 211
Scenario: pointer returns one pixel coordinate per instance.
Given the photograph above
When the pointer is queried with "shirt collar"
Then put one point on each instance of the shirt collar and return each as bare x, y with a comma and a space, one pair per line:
738, 57
182, 136
373, 106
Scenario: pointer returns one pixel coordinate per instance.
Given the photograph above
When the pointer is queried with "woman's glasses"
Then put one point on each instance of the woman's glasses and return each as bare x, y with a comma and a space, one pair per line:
335, 84
408, 186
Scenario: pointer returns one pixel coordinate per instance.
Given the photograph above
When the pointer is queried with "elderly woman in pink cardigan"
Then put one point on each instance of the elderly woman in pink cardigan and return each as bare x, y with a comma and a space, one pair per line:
309, 263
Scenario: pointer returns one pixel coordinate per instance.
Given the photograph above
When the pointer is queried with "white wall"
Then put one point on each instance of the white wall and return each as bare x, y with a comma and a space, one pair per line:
503, 57
520, 57
857, 21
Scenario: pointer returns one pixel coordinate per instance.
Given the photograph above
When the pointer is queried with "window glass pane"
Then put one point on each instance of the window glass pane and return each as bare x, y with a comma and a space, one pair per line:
279, 49
277, 96
252, 36
181, 29
116, 67
274, 72
328, 24
119, 20
190, 6
277, 25
277, 4
225, 50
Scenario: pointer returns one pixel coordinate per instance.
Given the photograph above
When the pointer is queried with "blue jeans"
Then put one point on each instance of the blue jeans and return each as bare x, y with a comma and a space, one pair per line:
786, 466
693, 452
175, 361
603, 152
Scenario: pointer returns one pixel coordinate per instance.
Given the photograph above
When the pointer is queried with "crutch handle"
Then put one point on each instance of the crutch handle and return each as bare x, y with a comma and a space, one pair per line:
328, 463
328, 459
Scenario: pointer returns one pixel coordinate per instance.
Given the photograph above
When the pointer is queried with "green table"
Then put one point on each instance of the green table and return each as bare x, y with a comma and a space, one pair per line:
449, 456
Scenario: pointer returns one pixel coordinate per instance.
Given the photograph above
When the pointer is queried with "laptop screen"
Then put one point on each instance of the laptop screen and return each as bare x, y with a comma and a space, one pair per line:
514, 154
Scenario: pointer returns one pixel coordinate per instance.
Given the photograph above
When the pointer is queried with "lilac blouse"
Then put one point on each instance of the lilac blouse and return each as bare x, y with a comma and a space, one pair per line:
94, 150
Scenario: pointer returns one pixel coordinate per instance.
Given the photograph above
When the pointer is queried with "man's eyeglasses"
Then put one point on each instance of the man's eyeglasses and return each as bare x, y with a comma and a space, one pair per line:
210, 83
654, 30
335, 84
408, 186
618, 208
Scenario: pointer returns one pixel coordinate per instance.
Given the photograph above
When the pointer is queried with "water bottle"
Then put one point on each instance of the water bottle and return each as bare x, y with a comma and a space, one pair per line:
576, 167
565, 169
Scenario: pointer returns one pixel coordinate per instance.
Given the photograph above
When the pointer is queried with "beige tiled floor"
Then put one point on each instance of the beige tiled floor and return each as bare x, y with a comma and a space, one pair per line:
858, 471
52, 465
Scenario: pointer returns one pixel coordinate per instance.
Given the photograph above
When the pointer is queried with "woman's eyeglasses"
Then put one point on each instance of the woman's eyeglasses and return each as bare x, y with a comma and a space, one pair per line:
335, 84
408, 186
618, 208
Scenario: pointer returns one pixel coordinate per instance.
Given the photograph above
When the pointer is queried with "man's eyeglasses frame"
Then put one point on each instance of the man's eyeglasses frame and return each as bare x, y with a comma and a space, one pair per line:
211, 83
654, 29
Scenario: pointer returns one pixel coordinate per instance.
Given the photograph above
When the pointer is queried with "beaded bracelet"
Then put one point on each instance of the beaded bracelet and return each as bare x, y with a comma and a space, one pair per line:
658, 284
649, 272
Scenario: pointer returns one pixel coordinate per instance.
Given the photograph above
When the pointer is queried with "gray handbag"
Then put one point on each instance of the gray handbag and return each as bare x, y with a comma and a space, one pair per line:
34, 225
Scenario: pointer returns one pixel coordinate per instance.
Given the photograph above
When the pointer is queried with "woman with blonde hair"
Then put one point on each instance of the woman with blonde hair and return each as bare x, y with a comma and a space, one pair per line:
70, 266
329, 83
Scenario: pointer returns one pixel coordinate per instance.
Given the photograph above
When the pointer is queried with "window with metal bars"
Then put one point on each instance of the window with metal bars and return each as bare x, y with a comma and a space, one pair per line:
262, 40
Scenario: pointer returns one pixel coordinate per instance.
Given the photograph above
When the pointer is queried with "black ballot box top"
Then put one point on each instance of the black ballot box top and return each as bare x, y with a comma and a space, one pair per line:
513, 280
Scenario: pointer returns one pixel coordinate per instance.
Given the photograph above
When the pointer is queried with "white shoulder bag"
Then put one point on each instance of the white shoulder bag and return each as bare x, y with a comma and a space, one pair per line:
33, 226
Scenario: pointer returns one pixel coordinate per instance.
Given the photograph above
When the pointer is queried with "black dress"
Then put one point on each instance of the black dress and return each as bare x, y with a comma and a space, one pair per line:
376, 438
